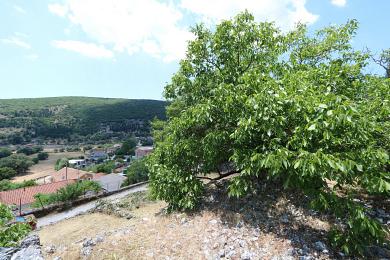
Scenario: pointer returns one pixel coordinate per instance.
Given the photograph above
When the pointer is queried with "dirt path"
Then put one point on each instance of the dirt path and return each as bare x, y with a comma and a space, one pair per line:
56, 217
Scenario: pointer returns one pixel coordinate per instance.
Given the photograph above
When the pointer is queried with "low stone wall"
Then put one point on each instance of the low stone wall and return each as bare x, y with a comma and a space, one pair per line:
58, 207
29, 249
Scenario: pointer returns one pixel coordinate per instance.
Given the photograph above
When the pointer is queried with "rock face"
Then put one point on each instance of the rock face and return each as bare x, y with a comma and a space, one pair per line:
29, 249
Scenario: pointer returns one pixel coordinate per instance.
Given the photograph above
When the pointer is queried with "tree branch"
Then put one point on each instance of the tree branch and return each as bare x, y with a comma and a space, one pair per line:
221, 176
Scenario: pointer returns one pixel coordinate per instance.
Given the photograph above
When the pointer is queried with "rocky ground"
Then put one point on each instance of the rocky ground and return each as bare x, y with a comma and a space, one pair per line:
265, 225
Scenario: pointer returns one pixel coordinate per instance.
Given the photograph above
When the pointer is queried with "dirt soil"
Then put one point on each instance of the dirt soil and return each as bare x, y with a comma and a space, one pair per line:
45, 167
272, 227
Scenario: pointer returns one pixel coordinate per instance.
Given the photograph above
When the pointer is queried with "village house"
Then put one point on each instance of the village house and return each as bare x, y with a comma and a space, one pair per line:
97, 155
23, 198
67, 173
77, 163
111, 182
142, 151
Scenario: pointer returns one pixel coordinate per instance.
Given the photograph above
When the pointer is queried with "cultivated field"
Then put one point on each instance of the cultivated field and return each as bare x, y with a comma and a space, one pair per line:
45, 167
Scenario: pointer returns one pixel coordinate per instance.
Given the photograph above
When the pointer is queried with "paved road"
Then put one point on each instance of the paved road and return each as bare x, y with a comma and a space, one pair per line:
56, 217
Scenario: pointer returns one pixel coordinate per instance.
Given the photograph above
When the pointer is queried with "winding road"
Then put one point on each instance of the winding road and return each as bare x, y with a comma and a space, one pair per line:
56, 217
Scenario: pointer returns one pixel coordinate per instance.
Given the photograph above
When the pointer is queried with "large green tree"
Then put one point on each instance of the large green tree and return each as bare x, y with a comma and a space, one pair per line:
20, 163
252, 101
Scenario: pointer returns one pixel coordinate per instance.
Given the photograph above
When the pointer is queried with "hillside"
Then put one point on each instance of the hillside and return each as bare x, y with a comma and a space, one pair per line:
66, 117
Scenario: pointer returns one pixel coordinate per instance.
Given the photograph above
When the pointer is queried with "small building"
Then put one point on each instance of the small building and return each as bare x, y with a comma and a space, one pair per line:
24, 197
142, 151
67, 173
98, 155
111, 182
78, 163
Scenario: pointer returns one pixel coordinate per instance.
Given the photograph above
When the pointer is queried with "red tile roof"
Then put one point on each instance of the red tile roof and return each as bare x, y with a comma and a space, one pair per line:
26, 195
67, 173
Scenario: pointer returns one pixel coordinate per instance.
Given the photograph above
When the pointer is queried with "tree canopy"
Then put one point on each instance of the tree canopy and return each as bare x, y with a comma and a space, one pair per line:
261, 104
19, 163
137, 172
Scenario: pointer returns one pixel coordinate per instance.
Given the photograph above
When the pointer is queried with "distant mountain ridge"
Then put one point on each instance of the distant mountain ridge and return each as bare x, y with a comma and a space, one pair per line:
64, 117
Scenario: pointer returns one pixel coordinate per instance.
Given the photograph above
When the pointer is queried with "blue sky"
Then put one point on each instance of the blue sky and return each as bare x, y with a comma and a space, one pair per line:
131, 48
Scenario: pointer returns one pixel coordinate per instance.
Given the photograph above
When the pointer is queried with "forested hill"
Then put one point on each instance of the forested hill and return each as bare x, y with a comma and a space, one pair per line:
63, 117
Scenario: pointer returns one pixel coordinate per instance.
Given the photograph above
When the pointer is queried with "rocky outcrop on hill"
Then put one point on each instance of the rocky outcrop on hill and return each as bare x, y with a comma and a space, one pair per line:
29, 249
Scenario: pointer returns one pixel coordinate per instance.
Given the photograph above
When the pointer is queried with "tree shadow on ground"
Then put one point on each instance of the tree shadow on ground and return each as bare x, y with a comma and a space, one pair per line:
276, 211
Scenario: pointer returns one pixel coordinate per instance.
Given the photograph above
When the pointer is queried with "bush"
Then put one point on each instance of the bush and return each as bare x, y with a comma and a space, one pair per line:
11, 234
137, 172
29, 150
5, 152
20, 163
8, 185
67, 194
251, 101
61, 163
42, 156
35, 160
106, 167
7, 173
128, 147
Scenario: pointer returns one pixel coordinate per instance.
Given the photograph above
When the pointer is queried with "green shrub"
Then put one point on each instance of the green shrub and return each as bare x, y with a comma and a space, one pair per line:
5, 152
66, 194
19, 163
7, 173
29, 150
106, 167
294, 107
42, 156
8, 185
61, 163
11, 234
137, 172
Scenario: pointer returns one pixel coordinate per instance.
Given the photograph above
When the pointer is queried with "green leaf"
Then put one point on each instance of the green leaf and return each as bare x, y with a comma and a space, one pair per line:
312, 127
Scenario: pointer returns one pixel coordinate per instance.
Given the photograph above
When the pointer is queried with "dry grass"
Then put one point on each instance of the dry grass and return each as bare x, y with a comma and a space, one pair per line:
45, 167
151, 234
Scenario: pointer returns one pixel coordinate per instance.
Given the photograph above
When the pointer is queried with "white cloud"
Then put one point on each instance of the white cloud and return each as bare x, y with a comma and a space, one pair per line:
58, 9
87, 49
156, 27
131, 25
339, 3
13, 40
19, 9
285, 13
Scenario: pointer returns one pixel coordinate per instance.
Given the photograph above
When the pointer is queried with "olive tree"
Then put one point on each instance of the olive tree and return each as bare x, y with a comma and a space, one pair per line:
253, 101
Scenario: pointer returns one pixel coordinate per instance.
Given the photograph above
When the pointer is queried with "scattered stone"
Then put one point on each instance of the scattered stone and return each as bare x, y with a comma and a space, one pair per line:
86, 251
30, 253
246, 255
320, 246
89, 243
51, 249
30, 249
7, 252
230, 253
284, 219
240, 224
99, 239
183, 221
221, 253
305, 250
57, 258
213, 221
